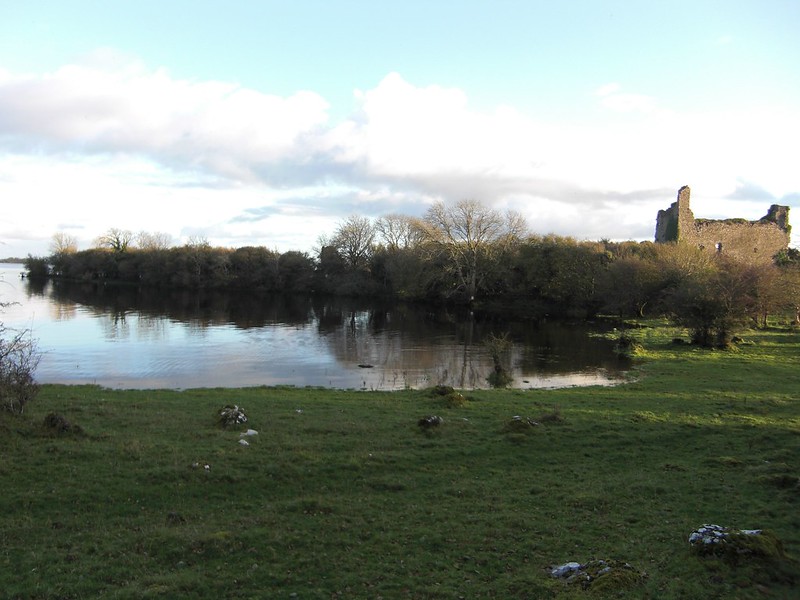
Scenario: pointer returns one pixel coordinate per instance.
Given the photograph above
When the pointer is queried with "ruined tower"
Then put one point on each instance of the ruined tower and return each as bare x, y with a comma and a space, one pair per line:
676, 221
751, 241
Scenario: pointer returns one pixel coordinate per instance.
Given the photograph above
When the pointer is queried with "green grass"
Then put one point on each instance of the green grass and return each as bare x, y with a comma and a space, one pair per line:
342, 495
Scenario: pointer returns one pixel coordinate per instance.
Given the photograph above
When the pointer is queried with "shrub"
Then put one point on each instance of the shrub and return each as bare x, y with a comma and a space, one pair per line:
442, 390
19, 358
56, 424
455, 400
37, 267
499, 347
627, 346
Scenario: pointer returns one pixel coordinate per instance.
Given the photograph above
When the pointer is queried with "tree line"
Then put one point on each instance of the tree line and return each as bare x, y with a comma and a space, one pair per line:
462, 252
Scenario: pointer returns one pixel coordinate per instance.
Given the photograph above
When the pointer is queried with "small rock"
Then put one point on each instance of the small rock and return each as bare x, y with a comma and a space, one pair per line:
249, 432
520, 424
244, 443
430, 421
565, 570
230, 415
605, 575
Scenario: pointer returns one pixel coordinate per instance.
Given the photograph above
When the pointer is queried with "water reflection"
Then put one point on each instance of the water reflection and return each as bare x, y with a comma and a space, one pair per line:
131, 337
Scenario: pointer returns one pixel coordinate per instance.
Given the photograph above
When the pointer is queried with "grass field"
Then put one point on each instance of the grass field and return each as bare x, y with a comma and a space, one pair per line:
342, 495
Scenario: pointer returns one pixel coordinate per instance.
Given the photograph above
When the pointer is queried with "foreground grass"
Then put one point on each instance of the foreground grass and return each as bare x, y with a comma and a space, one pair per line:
342, 495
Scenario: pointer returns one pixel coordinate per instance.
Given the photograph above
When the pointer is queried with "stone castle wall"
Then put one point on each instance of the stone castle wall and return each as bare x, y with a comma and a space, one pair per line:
751, 241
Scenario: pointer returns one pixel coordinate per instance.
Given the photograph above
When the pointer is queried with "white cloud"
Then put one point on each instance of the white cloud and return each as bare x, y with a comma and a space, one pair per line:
614, 99
121, 107
607, 89
109, 143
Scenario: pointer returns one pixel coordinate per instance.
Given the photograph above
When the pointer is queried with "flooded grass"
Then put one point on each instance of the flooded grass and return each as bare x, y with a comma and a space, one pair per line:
344, 493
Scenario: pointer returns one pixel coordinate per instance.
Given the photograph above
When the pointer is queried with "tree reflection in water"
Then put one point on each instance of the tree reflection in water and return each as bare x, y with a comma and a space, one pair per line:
140, 337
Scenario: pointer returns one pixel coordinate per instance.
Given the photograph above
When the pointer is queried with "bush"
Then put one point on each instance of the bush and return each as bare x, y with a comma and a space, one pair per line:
37, 267
499, 347
19, 358
627, 346
56, 424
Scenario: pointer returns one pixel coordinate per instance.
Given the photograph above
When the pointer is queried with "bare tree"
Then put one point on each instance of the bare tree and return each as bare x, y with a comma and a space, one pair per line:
354, 241
115, 239
470, 235
398, 231
153, 241
62, 243
198, 241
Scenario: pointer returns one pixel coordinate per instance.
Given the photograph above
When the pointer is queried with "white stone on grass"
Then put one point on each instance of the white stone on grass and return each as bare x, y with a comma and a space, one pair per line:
566, 569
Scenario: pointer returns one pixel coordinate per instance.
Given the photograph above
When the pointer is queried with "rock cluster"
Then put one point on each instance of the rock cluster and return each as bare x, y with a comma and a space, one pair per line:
520, 424
430, 421
735, 544
716, 534
599, 574
231, 415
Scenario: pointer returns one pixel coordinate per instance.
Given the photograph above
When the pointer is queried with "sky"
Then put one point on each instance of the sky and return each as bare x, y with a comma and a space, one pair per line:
269, 123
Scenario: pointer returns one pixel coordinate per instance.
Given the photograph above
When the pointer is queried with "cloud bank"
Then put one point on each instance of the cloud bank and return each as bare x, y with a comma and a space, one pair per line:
109, 140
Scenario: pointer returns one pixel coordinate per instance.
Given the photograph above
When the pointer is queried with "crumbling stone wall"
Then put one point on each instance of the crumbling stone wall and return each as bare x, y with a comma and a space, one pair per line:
751, 241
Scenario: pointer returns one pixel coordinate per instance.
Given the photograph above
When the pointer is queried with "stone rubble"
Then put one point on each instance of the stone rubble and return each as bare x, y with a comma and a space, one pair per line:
736, 545
598, 573
430, 421
716, 534
231, 415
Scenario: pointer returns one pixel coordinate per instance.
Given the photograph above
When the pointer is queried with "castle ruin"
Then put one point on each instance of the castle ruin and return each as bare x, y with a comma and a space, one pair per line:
751, 241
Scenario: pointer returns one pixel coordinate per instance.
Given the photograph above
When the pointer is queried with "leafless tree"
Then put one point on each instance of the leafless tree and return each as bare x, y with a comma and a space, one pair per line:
62, 243
354, 241
198, 241
115, 239
153, 241
470, 235
398, 231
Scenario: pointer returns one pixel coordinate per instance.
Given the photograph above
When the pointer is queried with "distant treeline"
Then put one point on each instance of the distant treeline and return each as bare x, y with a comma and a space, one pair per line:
461, 253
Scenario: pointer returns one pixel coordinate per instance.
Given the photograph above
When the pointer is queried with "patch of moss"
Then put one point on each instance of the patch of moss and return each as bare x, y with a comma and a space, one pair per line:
765, 545
55, 424
729, 461
782, 481
735, 546
455, 400
518, 424
441, 390
627, 346
612, 575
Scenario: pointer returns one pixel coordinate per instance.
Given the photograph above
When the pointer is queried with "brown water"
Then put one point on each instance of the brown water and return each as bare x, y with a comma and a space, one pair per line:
134, 338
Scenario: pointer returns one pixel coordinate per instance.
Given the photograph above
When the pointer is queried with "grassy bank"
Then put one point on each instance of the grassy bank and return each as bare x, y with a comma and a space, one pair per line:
342, 494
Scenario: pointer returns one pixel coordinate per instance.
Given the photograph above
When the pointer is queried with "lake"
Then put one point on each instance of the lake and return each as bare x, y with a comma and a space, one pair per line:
128, 337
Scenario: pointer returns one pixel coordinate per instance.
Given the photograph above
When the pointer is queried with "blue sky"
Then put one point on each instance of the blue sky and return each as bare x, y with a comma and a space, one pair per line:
269, 122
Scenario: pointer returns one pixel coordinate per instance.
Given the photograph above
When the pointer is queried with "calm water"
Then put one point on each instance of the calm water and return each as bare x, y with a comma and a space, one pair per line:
131, 338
